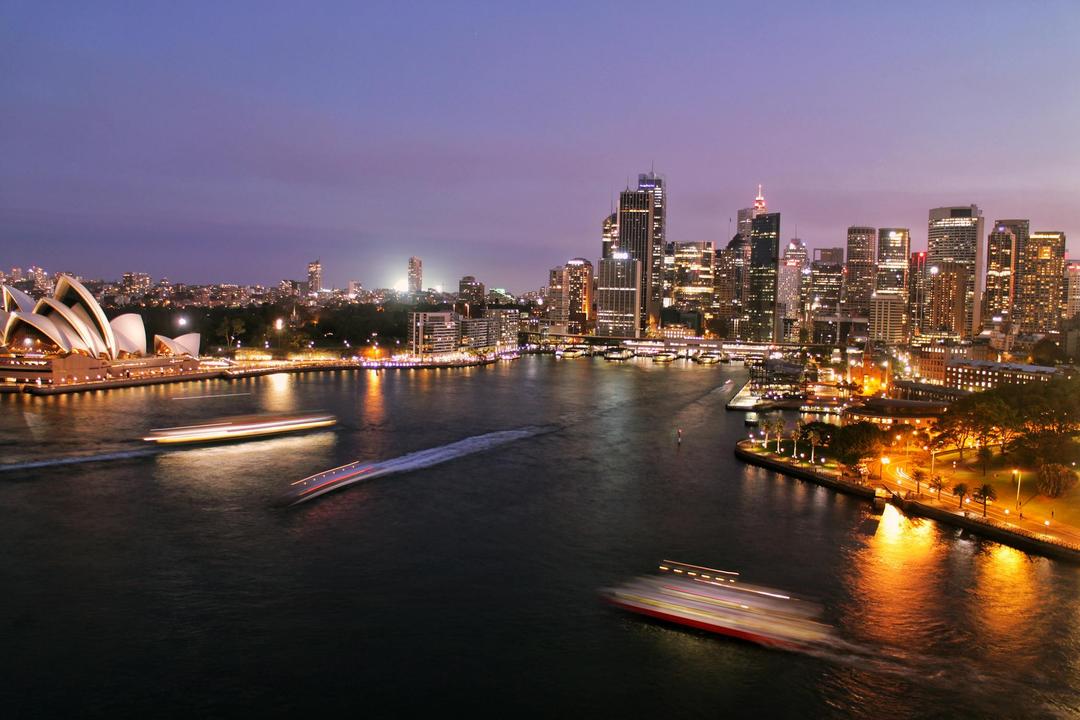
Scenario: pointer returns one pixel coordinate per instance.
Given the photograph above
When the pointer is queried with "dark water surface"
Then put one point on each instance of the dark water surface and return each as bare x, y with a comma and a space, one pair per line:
167, 584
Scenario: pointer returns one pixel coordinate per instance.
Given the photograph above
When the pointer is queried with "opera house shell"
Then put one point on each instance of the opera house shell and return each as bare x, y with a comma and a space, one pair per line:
71, 322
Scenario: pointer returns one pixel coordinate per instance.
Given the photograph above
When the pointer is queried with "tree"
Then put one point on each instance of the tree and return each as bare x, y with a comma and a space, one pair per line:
960, 490
813, 437
1054, 480
985, 453
230, 328
984, 493
919, 476
937, 484
1046, 352
796, 435
778, 428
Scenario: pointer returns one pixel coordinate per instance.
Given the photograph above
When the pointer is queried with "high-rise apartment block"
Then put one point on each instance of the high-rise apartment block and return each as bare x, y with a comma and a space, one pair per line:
416, 275
1042, 280
859, 270
1001, 257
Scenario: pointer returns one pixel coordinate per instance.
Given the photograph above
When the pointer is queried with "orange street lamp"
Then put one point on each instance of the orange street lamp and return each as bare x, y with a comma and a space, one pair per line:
1017, 474
881, 467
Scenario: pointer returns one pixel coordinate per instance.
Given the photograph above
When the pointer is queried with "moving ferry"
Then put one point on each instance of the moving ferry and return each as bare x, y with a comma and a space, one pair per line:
240, 427
718, 601
664, 357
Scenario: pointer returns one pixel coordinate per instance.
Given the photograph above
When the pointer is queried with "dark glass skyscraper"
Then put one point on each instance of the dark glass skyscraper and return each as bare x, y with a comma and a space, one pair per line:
859, 270
641, 227
955, 234
764, 263
1001, 260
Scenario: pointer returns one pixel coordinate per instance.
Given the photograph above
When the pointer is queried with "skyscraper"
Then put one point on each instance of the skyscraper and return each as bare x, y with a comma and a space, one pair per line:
471, 294
789, 293
692, 276
641, 227
1042, 280
955, 235
1000, 273
894, 248
1072, 290
764, 261
826, 286
618, 296
570, 296
946, 314
314, 276
917, 292
1021, 228
416, 275
859, 270
609, 235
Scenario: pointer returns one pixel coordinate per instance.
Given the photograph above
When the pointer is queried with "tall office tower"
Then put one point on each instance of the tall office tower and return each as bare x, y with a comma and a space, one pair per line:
917, 292
826, 286
693, 277
579, 295
888, 319
955, 235
655, 185
725, 307
609, 235
894, 247
762, 325
829, 256
1042, 280
789, 289
746, 216
416, 275
471, 293
314, 276
859, 270
618, 296
946, 312
1072, 290
641, 226
1021, 228
1000, 274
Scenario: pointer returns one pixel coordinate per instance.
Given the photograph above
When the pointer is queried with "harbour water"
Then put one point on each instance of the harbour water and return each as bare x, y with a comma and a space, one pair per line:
167, 582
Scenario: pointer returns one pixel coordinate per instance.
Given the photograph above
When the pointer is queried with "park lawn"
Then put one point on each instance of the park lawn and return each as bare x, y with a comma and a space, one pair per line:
1066, 508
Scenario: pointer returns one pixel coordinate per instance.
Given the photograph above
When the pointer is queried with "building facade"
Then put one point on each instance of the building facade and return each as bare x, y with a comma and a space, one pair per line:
416, 275
859, 271
955, 236
1042, 279
618, 296
1001, 256
762, 323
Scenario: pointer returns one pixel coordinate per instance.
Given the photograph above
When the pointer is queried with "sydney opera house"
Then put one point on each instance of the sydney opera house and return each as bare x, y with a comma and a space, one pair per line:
67, 339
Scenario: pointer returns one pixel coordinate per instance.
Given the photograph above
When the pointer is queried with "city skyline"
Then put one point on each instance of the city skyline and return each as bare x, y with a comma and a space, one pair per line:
141, 144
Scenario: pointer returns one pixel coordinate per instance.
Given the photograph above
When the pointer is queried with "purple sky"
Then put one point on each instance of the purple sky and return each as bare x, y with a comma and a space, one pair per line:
231, 142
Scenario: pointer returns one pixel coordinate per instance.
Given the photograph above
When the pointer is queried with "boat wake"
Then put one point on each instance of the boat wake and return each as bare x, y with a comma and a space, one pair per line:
340, 477
76, 460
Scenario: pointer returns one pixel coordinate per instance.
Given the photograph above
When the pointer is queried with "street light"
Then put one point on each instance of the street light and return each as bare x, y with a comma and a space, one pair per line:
881, 466
1017, 474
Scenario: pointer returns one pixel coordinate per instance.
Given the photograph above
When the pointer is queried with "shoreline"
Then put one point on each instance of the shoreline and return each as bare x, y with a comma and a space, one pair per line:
987, 529
227, 374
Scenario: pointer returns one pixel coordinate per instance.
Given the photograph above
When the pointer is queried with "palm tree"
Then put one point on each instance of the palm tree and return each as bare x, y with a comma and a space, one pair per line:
984, 493
778, 428
936, 483
919, 476
960, 490
796, 435
813, 437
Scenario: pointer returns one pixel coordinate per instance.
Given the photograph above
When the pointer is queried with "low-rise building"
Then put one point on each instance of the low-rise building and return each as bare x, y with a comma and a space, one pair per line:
979, 375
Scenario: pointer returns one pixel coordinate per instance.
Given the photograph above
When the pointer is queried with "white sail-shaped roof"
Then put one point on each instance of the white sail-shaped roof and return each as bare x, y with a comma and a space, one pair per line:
130, 333
72, 293
43, 325
15, 299
64, 318
183, 345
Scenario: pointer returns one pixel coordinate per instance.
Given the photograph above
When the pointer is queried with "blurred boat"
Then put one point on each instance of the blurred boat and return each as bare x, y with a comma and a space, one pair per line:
664, 357
717, 601
707, 358
619, 354
240, 427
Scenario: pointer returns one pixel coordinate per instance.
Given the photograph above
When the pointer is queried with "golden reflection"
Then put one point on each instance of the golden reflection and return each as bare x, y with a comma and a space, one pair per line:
278, 395
894, 577
374, 406
1005, 592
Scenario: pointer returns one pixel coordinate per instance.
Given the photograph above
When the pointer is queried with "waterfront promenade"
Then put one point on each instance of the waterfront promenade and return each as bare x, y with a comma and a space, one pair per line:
1035, 534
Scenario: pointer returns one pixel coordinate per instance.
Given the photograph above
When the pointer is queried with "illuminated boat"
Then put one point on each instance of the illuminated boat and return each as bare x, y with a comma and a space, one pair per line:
572, 353
619, 354
240, 427
717, 601
664, 357
707, 358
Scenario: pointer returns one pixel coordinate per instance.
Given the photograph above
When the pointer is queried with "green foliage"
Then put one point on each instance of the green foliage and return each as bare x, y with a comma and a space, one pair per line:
985, 493
937, 484
1046, 352
960, 490
851, 443
1054, 480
